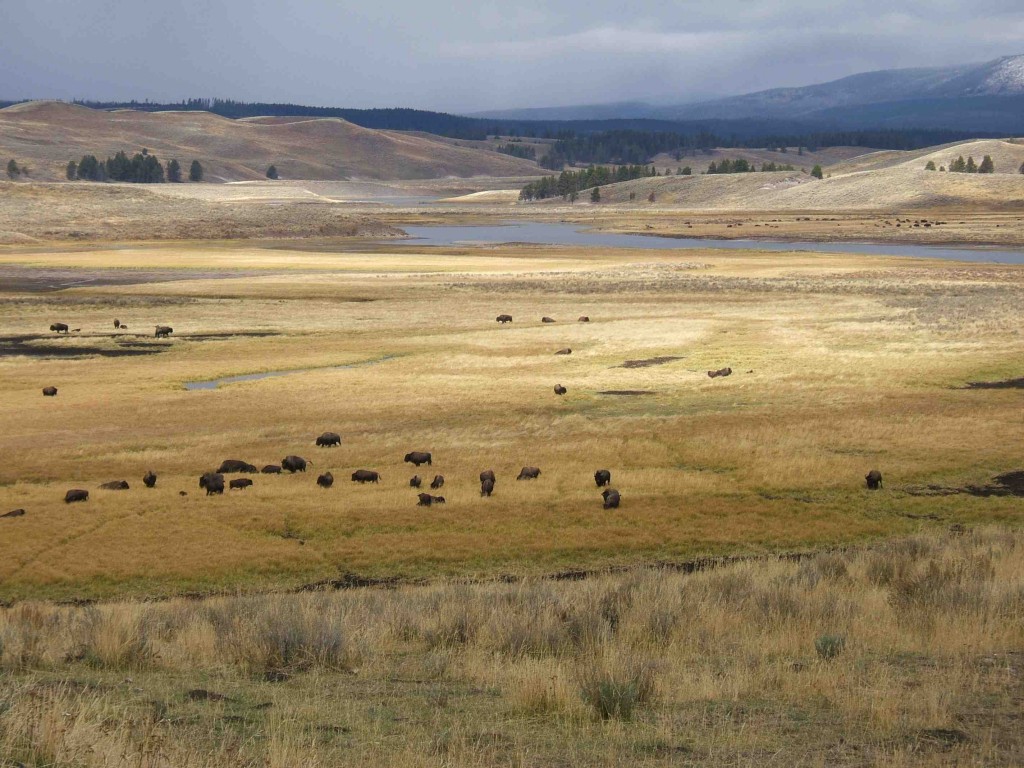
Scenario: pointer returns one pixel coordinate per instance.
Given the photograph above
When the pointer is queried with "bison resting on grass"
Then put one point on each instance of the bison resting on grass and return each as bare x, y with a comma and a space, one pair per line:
240, 483
719, 372
328, 439
873, 479
76, 494
564, 351
294, 463
271, 469
547, 319
365, 476
212, 482
584, 319
486, 487
602, 477
115, 485
149, 479
14, 513
163, 331
528, 473
49, 391
418, 457
560, 390
326, 480
504, 318
611, 498
231, 466
59, 327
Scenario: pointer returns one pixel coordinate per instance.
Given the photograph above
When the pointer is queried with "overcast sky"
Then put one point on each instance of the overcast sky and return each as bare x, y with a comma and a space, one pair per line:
465, 56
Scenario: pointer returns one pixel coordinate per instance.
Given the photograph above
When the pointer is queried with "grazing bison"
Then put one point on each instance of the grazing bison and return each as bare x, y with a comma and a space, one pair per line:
231, 466
486, 487
602, 477
583, 319
49, 391
149, 479
295, 464
720, 372
564, 351
487, 474
163, 331
415, 481
14, 513
547, 319
365, 476
425, 499
873, 479
59, 327
504, 318
528, 473
560, 390
328, 439
437, 482
212, 482
419, 457
240, 483
271, 469
76, 494
115, 485
326, 480
611, 498
117, 323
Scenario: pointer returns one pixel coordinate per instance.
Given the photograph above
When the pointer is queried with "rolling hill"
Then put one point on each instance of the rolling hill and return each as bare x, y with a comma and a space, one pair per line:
44, 135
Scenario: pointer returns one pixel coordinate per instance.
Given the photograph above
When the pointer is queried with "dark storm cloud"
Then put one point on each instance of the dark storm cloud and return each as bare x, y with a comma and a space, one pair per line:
478, 55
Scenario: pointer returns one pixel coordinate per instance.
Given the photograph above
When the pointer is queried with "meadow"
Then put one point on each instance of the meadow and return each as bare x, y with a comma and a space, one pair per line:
841, 364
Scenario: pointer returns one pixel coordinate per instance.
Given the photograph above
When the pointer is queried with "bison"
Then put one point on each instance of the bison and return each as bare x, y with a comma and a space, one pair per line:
560, 390
500, 318
365, 476
415, 481
326, 480
564, 351
486, 487
547, 319
487, 474
295, 464
14, 513
117, 323
271, 469
149, 479
212, 482
328, 439
49, 391
163, 331
419, 457
115, 485
602, 477
76, 494
425, 499
437, 499
528, 473
611, 498
437, 482
231, 466
240, 483
720, 372
873, 479
583, 319
59, 327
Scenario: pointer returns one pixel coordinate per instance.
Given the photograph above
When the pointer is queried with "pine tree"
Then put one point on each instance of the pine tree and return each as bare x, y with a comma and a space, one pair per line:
816, 172
987, 166
930, 166
972, 167
13, 171
173, 171
595, 196
195, 171
958, 165
71, 170
89, 168
272, 172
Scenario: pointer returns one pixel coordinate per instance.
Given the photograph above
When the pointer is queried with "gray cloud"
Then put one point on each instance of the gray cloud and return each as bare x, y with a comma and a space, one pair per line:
463, 55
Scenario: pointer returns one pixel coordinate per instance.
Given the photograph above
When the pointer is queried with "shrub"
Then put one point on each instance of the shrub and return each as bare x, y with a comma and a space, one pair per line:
613, 688
829, 646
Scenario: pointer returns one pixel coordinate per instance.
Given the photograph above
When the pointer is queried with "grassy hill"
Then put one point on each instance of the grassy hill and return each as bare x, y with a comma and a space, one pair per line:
45, 135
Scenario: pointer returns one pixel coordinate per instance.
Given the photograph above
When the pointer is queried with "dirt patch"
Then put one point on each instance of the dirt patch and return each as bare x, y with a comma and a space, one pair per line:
1007, 384
1006, 484
627, 392
650, 361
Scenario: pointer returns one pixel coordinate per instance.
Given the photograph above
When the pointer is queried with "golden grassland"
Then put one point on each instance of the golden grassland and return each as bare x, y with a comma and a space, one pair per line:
841, 364
901, 654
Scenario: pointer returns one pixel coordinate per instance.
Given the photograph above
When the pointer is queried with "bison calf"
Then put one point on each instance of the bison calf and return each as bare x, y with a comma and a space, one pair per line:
873, 479
528, 473
240, 483
76, 494
49, 391
326, 480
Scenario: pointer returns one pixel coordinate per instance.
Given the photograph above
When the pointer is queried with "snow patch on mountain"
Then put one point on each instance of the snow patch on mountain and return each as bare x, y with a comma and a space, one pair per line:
1006, 77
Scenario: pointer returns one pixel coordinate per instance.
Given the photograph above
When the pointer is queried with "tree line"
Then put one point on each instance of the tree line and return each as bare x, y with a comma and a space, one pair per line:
140, 168
515, 149
568, 184
740, 165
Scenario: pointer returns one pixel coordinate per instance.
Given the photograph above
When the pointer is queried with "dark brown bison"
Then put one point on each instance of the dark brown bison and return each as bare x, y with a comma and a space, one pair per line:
76, 494
59, 327
115, 485
117, 323
528, 473
232, 466
564, 351
328, 439
487, 474
149, 479
602, 477
326, 480
415, 481
611, 498
547, 319
163, 331
425, 499
419, 457
437, 482
212, 482
438, 499
49, 391
560, 390
499, 318
583, 319
14, 513
486, 487
271, 469
295, 464
240, 483
873, 479
183, 493
124, 327
365, 476
720, 372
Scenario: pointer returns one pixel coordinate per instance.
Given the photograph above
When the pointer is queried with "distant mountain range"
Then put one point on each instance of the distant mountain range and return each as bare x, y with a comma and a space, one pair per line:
987, 96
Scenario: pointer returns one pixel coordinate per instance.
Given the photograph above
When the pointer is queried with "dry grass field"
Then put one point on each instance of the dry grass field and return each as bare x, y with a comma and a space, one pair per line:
841, 364
902, 654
